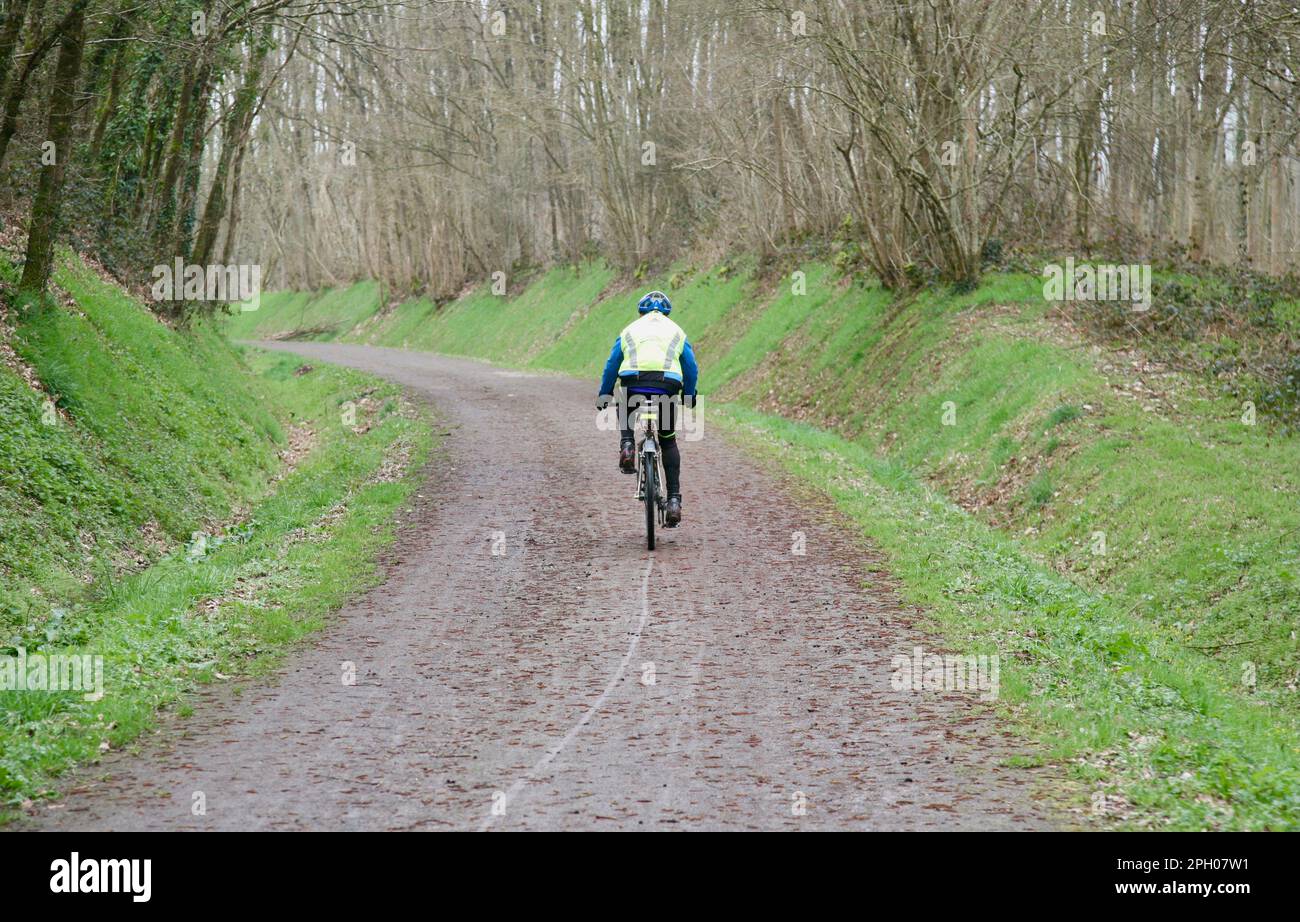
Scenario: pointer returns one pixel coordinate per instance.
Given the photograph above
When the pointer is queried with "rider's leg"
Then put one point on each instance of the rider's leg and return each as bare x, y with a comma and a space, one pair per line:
627, 452
672, 458
672, 463
627, 439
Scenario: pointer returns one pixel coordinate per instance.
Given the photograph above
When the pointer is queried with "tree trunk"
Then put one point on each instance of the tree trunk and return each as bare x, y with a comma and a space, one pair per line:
49, 193
34, 49
13, 24
188, 179
164, 198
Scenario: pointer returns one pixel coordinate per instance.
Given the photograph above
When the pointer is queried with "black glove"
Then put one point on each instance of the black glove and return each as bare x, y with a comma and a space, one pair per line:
604, 400
689, 401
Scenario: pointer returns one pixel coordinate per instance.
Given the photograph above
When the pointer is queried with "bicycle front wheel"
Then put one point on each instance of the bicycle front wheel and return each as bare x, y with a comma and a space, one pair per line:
651, 494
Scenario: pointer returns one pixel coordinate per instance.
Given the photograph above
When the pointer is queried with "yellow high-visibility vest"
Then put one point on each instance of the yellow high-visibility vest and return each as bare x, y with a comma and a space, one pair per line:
652, 343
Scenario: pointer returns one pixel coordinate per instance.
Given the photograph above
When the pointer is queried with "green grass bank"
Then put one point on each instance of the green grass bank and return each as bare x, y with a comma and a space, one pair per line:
179, 508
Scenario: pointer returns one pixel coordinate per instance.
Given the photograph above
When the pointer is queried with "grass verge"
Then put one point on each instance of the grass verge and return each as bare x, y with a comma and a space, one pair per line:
176, 508
1145, 725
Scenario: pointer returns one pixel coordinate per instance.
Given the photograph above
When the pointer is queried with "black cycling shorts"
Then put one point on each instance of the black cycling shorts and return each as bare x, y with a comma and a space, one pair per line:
630, 406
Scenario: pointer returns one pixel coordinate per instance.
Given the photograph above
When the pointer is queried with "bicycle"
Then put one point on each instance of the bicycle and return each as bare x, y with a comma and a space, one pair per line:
649, 473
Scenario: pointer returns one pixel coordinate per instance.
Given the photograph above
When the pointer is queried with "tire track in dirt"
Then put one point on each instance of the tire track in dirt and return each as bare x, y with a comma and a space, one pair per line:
558, 748
524, 673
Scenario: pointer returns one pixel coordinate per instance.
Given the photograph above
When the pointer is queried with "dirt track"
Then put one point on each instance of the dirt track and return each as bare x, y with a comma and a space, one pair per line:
517, 677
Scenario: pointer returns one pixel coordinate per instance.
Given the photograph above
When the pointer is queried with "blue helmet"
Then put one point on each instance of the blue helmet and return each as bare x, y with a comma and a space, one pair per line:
655, 301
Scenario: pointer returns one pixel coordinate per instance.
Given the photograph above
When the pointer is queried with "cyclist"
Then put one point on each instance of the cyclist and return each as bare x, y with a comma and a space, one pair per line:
653, 360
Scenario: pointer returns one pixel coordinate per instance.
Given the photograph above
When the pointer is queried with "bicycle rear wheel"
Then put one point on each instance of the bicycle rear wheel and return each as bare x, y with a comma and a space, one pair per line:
651, 494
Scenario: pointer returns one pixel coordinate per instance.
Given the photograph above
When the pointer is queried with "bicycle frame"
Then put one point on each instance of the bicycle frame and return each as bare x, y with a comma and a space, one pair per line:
647, 452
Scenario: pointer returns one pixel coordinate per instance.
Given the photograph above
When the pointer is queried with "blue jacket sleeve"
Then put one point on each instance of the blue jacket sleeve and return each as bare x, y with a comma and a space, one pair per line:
611, 368
690, 371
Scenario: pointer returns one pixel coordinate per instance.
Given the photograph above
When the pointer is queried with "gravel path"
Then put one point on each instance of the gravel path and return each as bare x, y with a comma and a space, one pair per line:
527, 664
